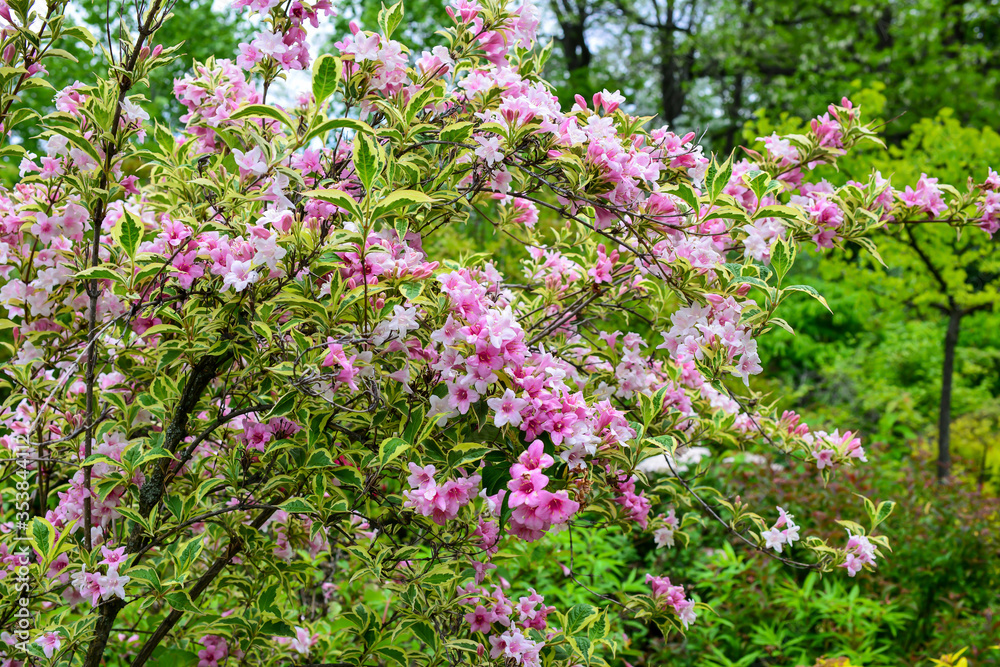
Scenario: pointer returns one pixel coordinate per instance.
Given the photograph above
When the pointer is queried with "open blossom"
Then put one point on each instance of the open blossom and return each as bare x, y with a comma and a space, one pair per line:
489, 149
50, 642
239, 275
669, 596
303, 641
133, 113
859, 552
252, 161
507, 408
783, 533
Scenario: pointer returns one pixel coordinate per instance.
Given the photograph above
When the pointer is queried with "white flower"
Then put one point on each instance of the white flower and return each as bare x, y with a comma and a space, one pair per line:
133, 113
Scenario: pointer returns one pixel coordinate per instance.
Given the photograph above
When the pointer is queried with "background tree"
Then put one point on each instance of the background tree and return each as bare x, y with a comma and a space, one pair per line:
932, 272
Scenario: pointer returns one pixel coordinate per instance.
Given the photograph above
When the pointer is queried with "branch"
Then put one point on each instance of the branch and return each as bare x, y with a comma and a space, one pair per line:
203, 582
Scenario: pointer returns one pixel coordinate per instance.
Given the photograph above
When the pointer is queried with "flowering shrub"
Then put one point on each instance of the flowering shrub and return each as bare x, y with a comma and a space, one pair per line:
251, 415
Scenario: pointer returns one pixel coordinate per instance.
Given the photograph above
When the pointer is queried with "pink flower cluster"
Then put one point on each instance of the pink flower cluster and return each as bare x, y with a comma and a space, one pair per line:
783, 533
667, 595
636, 506
215, 651
696, 328
833, 448
302, 642
518, 30
211, 95
496, 609
103, 512
860, 552
536, 510
439, 502
926, 197
387, 57
385, 256
96, 586
288, 47
989, 208
664, 535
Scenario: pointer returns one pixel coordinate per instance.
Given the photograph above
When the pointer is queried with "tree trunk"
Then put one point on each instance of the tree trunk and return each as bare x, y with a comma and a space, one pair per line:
947, 371
671, 85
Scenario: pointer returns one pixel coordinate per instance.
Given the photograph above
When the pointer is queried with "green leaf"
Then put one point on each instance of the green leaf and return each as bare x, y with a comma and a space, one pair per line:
399, 199
395, 655
782, 257
284, 405
689, 197
882, 513
466, 645
390, 449
349, 476
776, 211
466, 453
411, 290
326, 77
719, 177
44, 536
338, 124
367, 159
297, 506
319, 459
338, 197
579, 617
277, 628
426, 634
390, 18
601, 627
100, 272
181, 601
128, 233
457, 132
264, 111
870, 246
495, 478
266, 600
811, 291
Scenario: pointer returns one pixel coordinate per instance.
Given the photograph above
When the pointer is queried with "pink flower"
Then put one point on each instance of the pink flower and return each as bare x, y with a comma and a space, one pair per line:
270, 43
50, 643
239, 275
525, 487
113, 557
249, 56
251, 162
112, 584
303, 641
824, 458
507, 408
481, 619
555, 507
489, 149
